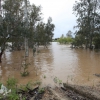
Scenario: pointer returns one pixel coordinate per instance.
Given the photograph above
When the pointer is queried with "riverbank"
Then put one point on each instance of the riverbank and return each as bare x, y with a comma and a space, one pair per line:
64, 92
72, 92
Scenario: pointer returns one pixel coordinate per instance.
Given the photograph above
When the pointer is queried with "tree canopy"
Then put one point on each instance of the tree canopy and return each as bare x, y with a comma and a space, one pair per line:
13, 24
88, 21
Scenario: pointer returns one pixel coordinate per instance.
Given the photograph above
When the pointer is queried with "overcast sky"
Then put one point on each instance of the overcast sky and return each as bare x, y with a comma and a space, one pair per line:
61, 13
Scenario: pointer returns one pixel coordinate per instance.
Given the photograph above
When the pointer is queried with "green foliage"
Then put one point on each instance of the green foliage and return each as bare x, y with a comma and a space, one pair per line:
60, 81
13, 96
23, 87
65, 40
13, 27
25, 69
44, 76
57, 80
11, 83
96, 41
37, 83
41, 90
44, 32
88, 22
78, 40
29, 85
24, 74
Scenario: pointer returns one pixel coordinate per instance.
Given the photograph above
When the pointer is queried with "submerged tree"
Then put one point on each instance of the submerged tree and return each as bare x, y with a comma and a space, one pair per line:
88, 22
11, 22
13, 26
44, 32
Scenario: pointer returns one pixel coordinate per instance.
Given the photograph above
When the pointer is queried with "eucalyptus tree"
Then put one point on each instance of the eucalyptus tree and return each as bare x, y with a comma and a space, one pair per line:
44, 32
49, 28
69, 34
40, 33
87, 12
34, 18
11, 24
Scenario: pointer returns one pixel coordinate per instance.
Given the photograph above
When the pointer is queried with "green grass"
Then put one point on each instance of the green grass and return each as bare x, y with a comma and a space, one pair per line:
11, 83
65, 40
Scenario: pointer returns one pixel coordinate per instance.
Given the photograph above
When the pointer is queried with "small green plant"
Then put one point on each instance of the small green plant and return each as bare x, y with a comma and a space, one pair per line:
23, 87
13, 96
25, 73
26, 86
60, 81
25, 68
41, 90
57, 80
10, 91
29, 85
23, 98
1, 97
44, 76
37, 83
11, 83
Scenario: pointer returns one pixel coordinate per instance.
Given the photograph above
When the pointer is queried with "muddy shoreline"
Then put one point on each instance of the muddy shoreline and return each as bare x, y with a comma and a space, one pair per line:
72, 92
64, 92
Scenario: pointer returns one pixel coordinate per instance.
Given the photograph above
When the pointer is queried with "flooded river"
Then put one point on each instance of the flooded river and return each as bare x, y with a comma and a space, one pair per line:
75, 66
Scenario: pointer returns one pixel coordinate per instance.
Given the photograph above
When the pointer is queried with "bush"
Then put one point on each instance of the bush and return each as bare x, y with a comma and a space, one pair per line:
65, 40
11, 83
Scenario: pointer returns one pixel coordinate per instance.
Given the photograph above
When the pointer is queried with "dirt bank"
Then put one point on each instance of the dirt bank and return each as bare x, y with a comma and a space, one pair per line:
66, 92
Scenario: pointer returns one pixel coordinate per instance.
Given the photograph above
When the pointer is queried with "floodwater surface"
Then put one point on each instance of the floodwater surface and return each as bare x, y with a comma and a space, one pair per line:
75, 66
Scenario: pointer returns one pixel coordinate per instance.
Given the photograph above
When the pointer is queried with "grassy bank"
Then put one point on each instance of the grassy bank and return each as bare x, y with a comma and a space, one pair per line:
11, 90
65, 40
32, 91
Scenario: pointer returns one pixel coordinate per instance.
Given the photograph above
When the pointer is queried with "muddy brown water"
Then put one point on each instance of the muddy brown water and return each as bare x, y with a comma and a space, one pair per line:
75, 66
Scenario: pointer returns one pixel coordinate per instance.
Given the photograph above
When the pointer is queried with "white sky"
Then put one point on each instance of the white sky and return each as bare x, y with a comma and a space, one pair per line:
61, 13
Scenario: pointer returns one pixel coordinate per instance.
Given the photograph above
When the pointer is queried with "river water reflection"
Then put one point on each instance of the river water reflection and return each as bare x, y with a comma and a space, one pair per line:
75, 66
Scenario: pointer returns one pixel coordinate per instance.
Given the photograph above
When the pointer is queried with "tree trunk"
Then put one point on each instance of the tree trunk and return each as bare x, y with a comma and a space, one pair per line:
1, 55
0, 58
91, 43
3, 48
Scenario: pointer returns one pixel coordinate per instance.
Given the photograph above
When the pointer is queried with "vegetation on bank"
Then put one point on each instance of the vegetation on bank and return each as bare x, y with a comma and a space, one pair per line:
88, 23
32, 91
12, 91
65, 40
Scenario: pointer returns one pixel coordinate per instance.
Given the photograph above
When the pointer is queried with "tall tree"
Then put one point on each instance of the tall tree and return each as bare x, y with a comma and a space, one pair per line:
69, 34
87, 12
13, 25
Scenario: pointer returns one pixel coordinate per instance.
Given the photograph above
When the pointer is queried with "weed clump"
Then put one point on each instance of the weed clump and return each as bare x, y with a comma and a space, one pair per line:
24, 67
